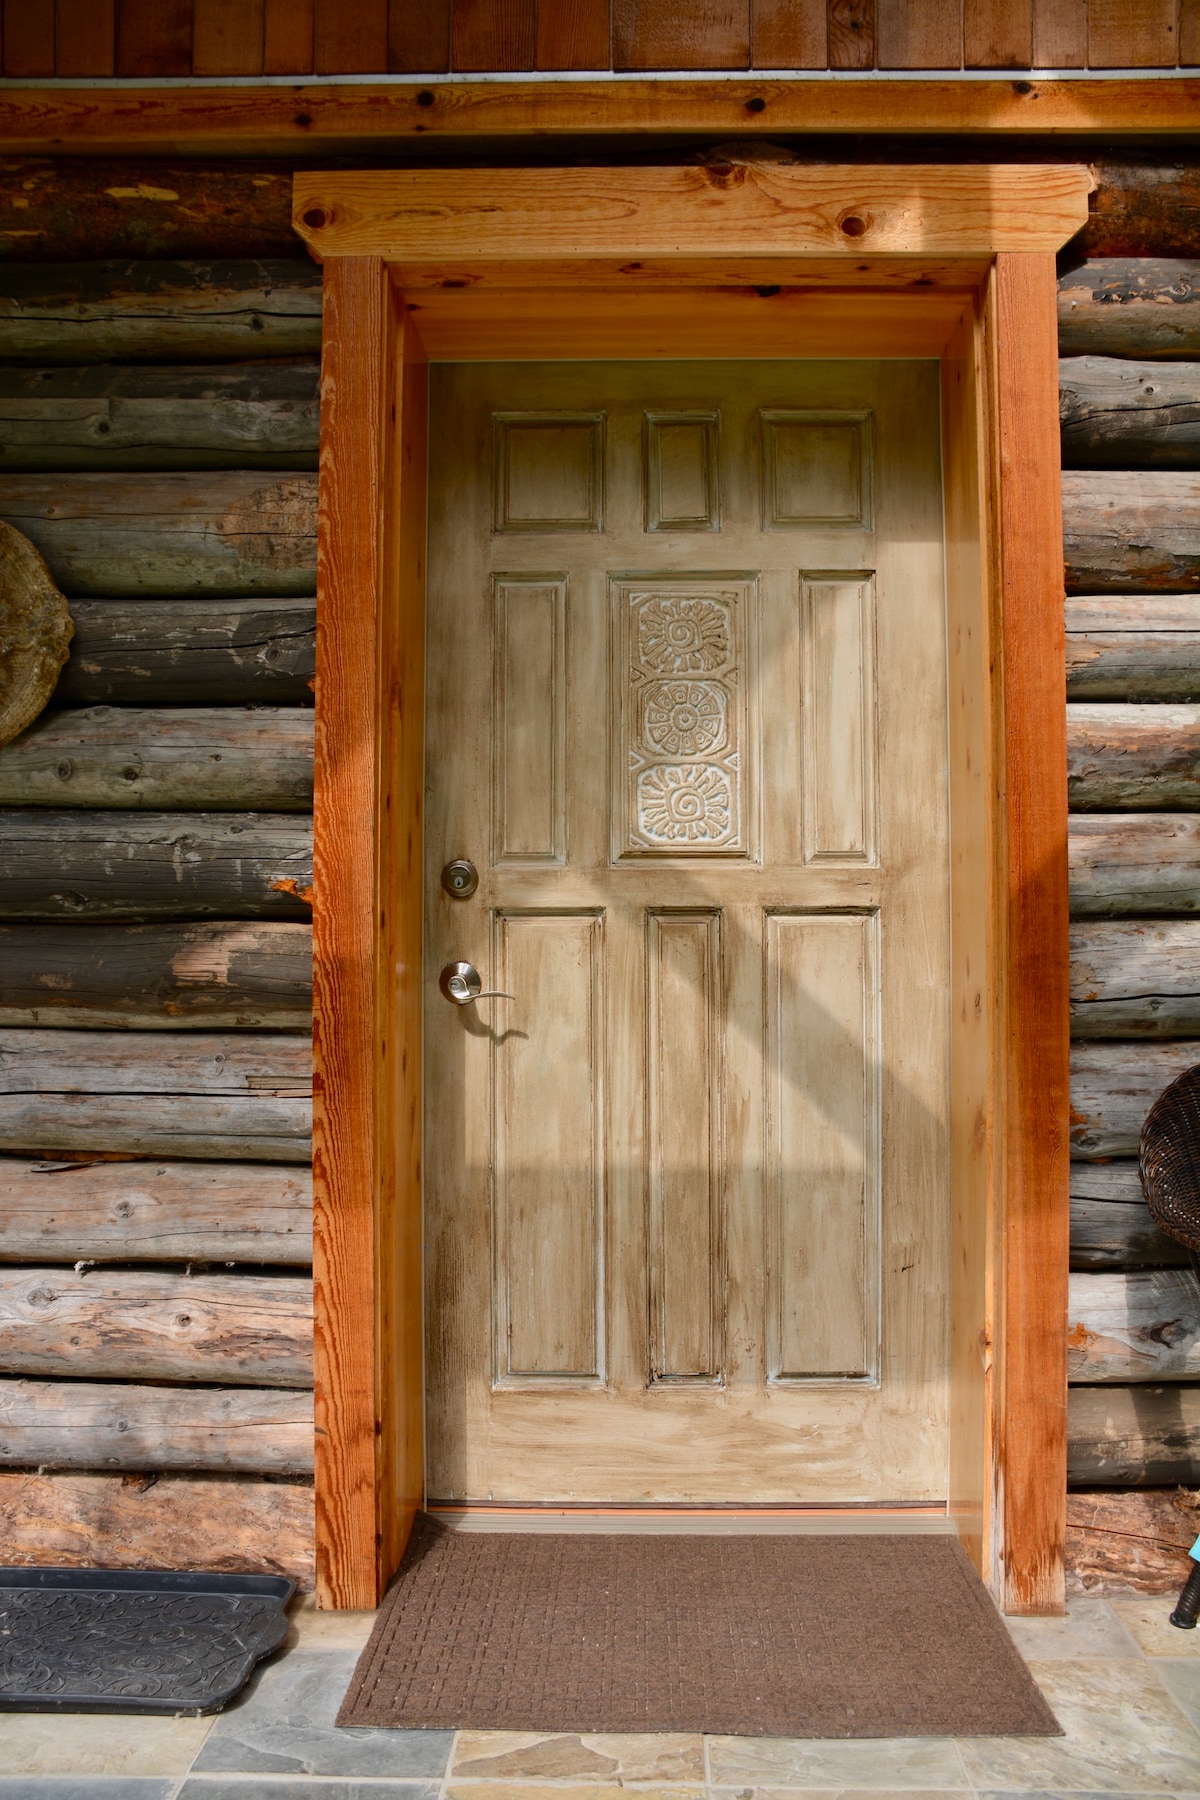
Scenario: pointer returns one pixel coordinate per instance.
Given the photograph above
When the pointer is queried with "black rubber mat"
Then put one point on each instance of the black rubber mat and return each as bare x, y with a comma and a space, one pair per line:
133, 1641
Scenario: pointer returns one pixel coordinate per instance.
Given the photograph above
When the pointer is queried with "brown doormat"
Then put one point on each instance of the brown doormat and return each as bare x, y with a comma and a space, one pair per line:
805, 1636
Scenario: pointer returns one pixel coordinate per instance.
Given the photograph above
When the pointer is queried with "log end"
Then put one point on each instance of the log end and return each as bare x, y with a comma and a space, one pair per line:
35, 633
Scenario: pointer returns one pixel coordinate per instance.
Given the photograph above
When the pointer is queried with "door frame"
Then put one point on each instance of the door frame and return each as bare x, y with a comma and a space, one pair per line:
949, 261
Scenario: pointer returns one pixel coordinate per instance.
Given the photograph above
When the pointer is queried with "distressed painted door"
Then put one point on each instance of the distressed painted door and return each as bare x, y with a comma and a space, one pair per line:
687, 1190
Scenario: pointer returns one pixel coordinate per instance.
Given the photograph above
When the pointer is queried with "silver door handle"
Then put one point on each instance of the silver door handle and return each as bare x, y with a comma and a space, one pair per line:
460, 982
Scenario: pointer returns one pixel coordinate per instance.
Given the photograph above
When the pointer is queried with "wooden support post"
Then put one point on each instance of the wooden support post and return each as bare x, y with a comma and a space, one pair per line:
367, 936
1030, 1446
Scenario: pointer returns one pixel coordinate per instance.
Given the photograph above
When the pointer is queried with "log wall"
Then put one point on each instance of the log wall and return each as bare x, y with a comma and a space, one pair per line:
1130, 407
158, 440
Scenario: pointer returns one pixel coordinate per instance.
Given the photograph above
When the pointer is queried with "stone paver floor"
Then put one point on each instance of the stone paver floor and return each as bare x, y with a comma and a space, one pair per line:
1123, 1683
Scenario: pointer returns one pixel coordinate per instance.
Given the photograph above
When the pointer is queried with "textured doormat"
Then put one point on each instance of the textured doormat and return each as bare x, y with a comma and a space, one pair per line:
133, 1641
805, 1636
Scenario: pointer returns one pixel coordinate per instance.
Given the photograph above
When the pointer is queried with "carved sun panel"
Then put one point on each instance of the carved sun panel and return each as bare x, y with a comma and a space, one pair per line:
681, 759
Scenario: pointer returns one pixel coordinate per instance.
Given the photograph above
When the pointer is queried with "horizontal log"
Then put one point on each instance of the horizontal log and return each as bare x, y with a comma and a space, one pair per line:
128, 865
122, 1062
1129, 978
209, 1095
1108, 1236
114, 1425
1127, 530
1135, 1436
1120, 757
239, 1128
1111, 1227
256, 416
1126, 647
190, 653
1130, 306
245, 976
179, 206
1134, 863
1119, 414
1142, 1325
218, 759
156, 1212
98, 312
1145, 204
1113, 1087
220, 533
1122, 1543
157, 1325
177, 1522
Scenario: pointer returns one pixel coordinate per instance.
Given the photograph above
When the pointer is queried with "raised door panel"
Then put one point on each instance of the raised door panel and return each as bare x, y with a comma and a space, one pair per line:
548, 1148
823, 1187
685, 1173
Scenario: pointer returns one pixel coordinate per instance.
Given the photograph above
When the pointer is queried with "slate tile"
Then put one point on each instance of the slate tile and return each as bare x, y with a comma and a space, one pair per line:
86, 1787
1123, 1734
875, 1763
97, 1744
299, 1787
283, 1724
1090, 1629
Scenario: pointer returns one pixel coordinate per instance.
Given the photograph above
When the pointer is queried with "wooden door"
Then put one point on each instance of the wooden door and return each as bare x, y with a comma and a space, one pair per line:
687, 1191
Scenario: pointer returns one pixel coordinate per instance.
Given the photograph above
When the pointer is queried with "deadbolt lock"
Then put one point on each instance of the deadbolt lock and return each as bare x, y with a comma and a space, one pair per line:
460, 878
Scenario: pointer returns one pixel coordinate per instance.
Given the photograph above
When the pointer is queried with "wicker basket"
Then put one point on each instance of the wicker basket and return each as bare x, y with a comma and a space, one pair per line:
1170, 1160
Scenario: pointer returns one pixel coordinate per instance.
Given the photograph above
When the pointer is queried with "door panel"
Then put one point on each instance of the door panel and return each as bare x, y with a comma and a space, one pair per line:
687, 1191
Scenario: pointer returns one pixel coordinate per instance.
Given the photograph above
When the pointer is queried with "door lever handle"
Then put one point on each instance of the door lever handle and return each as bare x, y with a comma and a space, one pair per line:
461, 983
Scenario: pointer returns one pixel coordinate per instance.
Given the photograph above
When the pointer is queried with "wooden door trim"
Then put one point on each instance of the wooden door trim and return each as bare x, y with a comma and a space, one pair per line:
1008, 805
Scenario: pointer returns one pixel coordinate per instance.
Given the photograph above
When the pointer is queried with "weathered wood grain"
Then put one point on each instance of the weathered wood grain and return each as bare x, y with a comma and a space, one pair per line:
1135, 1436
1141, 1325
247, 976
1121, 1543
1133, 978
1120, 757
219, 759
157, 1212
1121, 415
1130, 530
1111, 1227
122, 1062
220, 533
195, 1522
1126, 647
209, 1095
1136, 863
119, 311
190, 653
113, 1425
1113, 1087
255, 416
1110, 1234
157, 1325
129, 865
1130, 306
1107, 1183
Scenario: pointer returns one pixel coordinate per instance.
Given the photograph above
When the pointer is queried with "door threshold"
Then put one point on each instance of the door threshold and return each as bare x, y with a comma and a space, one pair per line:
552, 1516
